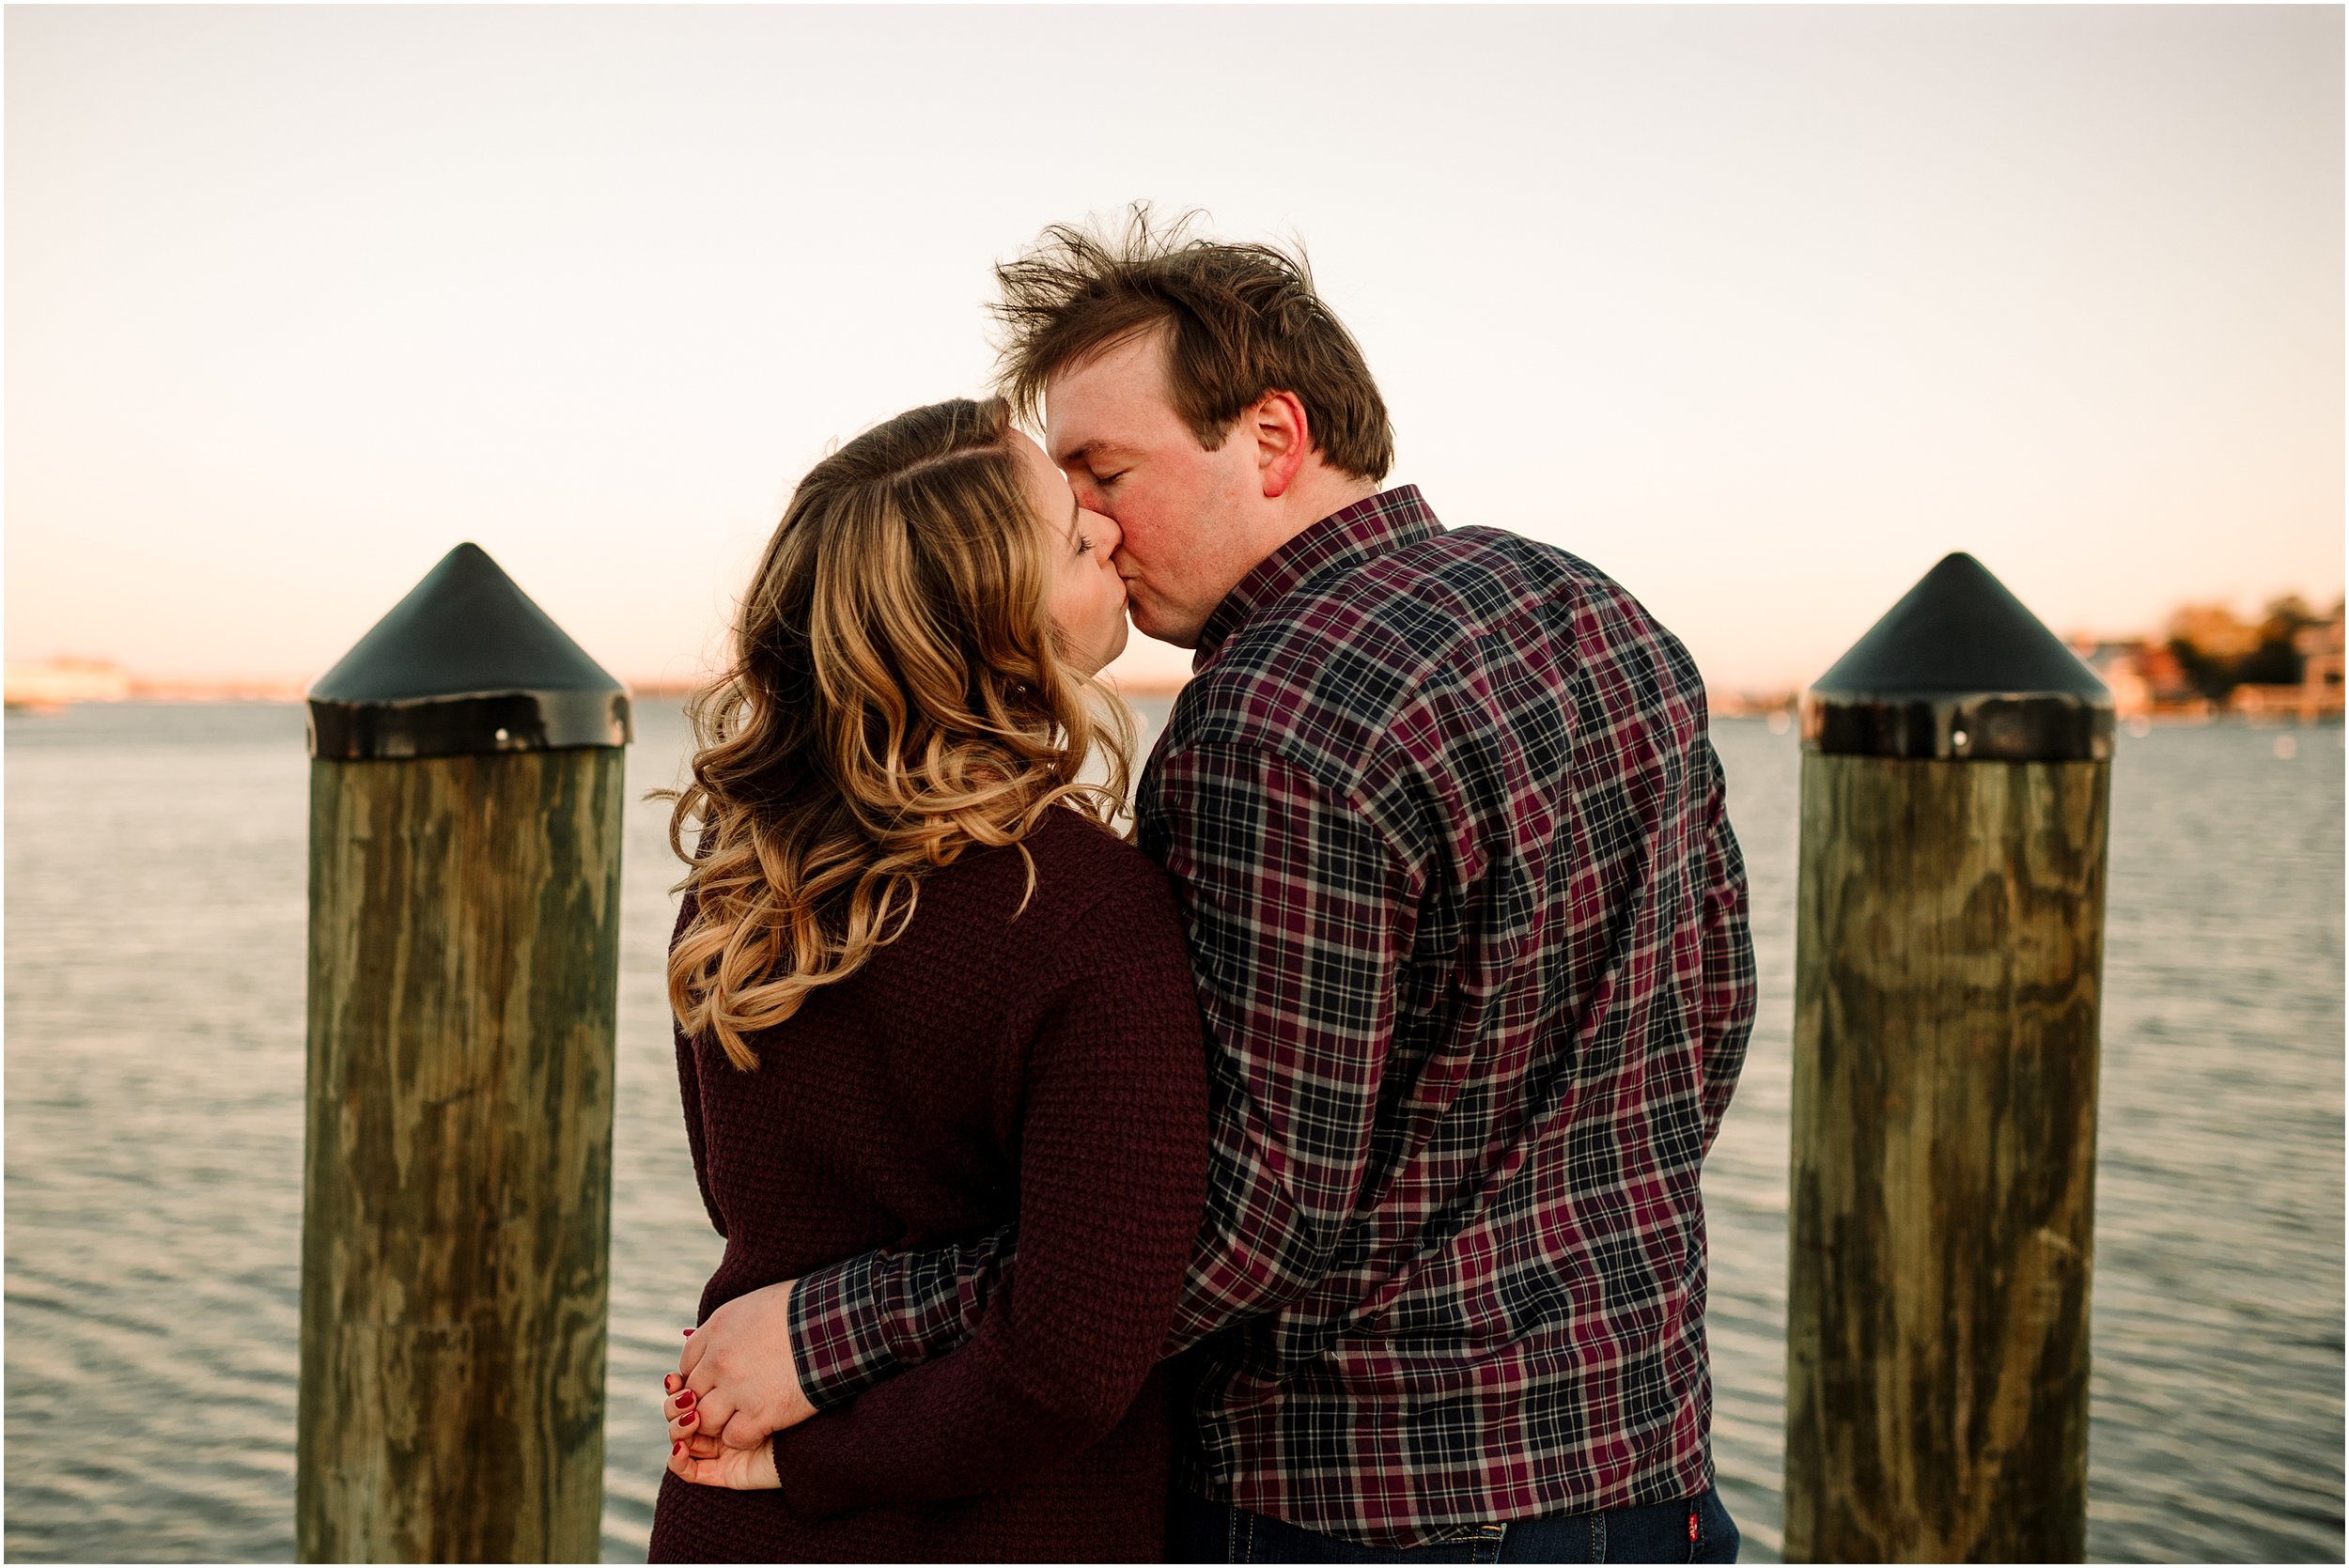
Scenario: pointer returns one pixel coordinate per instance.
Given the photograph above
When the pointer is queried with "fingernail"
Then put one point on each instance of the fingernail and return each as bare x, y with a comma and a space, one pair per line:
688, 1333
675, 1448
685, 1399
668, 1383
688, 1418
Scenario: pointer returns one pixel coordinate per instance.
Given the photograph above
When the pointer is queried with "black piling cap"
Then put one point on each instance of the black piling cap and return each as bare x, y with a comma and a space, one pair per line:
466, 663
1959, 669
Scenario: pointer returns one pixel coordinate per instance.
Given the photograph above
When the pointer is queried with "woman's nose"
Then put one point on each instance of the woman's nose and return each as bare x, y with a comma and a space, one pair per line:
1106, 537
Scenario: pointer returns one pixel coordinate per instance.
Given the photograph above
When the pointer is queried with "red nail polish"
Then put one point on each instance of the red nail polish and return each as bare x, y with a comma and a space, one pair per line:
685, 1399
688, 1418
675, 1448
688, 1333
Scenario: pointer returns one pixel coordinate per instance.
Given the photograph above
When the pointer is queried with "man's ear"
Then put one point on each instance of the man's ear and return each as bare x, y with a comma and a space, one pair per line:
1283, 439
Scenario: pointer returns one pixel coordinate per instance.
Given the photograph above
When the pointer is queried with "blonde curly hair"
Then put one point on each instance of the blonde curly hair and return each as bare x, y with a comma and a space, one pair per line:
897, 695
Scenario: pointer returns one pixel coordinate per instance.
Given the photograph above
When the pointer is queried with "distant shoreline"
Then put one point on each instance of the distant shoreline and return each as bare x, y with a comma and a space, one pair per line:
88, 685
1779, 716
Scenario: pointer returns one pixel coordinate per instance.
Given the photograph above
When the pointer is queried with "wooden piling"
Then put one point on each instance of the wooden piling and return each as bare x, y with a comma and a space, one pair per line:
1948, 954
466, 792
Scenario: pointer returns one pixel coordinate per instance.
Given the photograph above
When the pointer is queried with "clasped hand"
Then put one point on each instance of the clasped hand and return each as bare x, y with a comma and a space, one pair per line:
736, 1386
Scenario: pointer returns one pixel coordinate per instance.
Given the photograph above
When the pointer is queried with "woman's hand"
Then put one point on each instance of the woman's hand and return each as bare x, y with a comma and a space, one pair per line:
740, 1384
706, 1462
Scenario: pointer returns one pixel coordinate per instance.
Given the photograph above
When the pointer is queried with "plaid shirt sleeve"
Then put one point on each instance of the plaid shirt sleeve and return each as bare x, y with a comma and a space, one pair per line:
1729, 969
855, 1322
1299, 912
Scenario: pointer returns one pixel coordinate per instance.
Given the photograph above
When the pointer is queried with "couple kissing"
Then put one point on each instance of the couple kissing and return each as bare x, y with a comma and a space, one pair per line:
1309, 1175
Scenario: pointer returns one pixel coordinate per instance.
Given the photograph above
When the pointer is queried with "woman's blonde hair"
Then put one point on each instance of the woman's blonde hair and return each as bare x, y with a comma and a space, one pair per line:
897, 695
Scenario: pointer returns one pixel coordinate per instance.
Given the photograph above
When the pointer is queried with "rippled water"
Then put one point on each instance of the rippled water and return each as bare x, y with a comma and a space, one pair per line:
155, 883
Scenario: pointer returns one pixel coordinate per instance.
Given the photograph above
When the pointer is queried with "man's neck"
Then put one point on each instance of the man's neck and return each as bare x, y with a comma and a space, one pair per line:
1323, 492
1316, 494
1312, 508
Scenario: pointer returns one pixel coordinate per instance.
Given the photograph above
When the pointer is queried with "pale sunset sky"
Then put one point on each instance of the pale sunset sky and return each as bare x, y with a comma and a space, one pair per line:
1760, 309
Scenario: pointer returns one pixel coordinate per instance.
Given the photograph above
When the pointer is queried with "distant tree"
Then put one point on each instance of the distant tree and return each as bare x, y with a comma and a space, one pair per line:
2278, 660
2289, 613
2219, 652
2215, 632
2209, 675
2272, 663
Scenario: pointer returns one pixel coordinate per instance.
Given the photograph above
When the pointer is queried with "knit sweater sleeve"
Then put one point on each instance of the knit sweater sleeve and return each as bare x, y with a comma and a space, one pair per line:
690, 1091
1112, 1181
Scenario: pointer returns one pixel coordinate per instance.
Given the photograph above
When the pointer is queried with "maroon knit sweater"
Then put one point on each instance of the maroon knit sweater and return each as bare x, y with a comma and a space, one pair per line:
1045, 1067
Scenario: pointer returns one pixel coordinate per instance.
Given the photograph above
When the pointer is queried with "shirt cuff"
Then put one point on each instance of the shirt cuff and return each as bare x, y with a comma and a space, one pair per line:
837, 1336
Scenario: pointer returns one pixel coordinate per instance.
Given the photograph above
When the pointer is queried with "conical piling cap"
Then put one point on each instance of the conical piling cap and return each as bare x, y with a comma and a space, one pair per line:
1960, 670
465, 664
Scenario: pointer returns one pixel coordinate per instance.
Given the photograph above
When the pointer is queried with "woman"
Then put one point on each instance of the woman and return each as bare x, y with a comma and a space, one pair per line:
923, 990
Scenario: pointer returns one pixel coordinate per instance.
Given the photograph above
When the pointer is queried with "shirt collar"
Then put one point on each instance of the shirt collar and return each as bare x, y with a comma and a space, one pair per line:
1386, 521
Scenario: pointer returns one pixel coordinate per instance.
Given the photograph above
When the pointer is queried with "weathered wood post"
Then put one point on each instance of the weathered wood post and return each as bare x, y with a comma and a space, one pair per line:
465, 806
1948, 950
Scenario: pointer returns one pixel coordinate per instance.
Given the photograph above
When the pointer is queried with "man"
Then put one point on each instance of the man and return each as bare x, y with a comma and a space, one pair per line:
1469, 926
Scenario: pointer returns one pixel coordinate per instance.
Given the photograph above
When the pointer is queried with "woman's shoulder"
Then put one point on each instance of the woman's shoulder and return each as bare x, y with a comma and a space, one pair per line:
1103, 916
1084, 865
1088, 887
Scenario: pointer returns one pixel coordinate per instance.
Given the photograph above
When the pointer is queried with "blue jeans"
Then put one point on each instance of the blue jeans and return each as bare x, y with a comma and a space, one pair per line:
1697, 1530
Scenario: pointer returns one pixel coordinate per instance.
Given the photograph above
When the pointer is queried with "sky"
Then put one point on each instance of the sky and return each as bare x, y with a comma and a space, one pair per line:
1760, 309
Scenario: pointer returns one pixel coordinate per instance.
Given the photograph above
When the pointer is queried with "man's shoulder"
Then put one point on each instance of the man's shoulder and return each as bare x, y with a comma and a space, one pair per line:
1419, 602
1322, 676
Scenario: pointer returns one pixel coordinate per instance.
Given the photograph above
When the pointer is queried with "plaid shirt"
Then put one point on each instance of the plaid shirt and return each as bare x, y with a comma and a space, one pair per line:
1470, 930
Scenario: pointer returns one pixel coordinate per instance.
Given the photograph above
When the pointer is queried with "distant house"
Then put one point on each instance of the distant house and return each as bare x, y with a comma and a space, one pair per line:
2317, 694
2319, 650
52, 683
2120, 666
2145, 676
1723, 703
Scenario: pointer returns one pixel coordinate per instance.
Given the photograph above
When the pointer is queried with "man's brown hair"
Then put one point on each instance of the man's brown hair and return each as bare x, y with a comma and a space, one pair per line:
1243, 320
